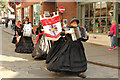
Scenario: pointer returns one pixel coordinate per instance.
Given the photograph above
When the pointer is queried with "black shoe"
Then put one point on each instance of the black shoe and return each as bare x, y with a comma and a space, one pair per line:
81, 75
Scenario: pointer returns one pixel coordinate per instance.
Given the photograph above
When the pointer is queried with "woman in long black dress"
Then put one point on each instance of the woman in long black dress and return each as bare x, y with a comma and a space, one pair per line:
18, 29
25, 44
67, 55
42, 45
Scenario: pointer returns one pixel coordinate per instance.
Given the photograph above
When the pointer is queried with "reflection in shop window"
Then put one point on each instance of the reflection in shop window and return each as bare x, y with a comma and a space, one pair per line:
103, 25
97, 25
36, 14
109, 24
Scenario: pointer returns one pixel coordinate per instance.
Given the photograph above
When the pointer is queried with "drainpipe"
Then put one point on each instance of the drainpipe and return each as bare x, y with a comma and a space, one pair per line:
79, 11
115, 17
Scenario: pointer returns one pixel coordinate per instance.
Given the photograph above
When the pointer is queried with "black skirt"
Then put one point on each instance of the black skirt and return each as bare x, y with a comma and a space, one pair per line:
25, 45
38, 53
42, 48
67, 56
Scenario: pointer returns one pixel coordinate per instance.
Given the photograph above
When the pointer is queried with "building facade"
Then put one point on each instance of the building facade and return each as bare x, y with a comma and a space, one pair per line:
95, 17
32, 10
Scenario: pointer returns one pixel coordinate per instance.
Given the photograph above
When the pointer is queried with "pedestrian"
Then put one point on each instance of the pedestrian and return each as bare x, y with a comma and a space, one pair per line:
6, 23
13, 24
96, 26
112, 35
39, 28
10, 23
18, 30
25, 44
67, 55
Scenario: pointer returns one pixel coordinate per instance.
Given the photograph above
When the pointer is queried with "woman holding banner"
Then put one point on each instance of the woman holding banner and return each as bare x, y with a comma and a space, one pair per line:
25, 43
67, 55
42, 45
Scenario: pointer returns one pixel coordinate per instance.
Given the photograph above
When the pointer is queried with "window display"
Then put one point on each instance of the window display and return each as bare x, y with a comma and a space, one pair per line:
36, 14
19, 15
96, 16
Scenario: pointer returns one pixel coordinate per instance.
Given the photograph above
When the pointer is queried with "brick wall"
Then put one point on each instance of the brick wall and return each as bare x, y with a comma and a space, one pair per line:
70, 10
48, 6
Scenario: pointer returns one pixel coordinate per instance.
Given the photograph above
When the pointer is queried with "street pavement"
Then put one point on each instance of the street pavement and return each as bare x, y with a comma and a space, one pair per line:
95, 53
16, 65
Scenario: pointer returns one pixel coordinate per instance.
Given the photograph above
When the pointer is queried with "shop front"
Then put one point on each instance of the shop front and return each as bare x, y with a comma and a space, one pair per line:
96, 18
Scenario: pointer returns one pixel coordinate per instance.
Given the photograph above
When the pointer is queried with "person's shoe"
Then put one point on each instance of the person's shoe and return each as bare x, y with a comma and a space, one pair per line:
114, 47
81, 75
111, 48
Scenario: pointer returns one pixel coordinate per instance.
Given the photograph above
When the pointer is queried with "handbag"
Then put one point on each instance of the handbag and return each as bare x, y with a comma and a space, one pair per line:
14, 39
110, 34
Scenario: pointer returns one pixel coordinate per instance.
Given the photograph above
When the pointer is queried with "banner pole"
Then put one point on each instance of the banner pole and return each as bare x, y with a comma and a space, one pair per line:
62, 19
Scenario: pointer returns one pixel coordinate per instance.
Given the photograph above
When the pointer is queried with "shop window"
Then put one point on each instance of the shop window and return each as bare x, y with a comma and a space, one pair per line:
119, 5
97, 25
86, 10
26, 12
103, 25
96, 16
91, 10
108, 24
19, 15
36, 14
97, 7
87, 24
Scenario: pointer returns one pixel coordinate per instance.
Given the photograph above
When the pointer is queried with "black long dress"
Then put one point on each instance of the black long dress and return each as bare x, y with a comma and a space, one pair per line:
42, 48
67, 56
25, 44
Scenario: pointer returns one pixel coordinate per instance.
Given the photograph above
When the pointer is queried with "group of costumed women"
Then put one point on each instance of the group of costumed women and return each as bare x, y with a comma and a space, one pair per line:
63, 55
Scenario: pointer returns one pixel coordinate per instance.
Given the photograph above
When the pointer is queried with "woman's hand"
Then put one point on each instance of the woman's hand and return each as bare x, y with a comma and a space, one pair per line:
42, 29
68, 32
87, 34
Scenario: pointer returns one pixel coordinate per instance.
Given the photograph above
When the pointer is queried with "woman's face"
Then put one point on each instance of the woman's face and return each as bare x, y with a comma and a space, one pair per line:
26, 22
74, 24
113, 22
